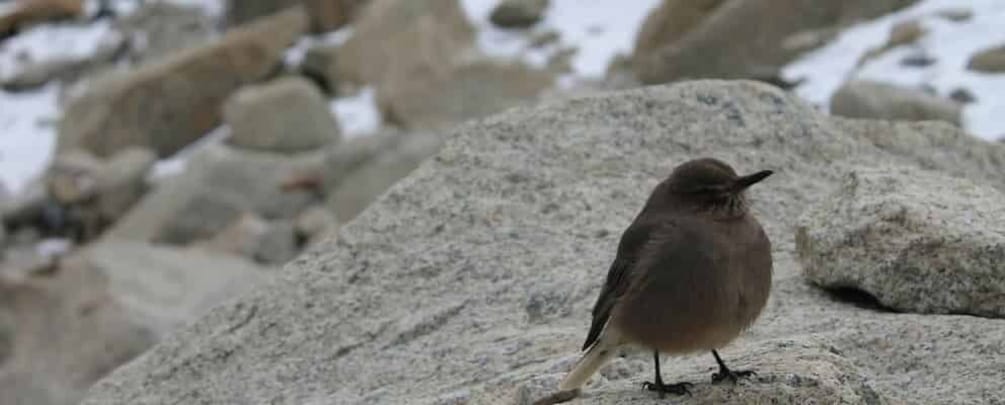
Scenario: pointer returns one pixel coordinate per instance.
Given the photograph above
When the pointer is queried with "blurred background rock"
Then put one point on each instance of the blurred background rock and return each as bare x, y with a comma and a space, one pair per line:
158, 157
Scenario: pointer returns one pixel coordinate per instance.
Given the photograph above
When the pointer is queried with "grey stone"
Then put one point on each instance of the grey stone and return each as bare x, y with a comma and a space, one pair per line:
169, 104
360, 187
436, 100
717, 40
319, 65
157, 29
278, 244
287, 115
70, 333
416, 35
867, 99
163, 288
218, 185
962, 95
122, 181
315, 223
257, 239
990, 60
518, 13
434, 278
7, 332
916, 241
326, 15
958, 14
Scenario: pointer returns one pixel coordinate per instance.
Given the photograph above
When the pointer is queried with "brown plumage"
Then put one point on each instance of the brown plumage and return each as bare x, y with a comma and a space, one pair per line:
692, 271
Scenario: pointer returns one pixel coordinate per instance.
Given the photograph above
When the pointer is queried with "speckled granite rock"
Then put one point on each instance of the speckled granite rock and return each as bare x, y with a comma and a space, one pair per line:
917, 241
477, 272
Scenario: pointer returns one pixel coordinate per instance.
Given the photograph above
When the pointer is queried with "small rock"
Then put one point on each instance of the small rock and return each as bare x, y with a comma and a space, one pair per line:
866, 99
6, 332
991, 60
518, 13
314, 223
905, 32
671, 21
962, 95
431, 100
956, 14
287, 115
804, 41
256, 239
915, 240
277, 245
218, 185
160, 28
122, 181
72, 177
24, 13
241, 237
917, 60
361, 186
545, 38
415, 35
326, 15
169, 104
319, 65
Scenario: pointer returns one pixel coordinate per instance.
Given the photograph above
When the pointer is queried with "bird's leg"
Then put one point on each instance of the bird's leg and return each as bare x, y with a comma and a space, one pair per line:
658, 385
725, 372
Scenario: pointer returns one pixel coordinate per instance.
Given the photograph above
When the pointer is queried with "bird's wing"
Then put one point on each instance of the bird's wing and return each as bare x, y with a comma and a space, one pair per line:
632, 241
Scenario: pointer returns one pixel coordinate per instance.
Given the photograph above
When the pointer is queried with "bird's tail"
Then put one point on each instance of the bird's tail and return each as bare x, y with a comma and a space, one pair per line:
595, 357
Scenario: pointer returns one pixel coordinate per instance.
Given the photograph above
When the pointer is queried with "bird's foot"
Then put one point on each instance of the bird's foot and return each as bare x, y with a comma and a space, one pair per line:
734, 376
681, 388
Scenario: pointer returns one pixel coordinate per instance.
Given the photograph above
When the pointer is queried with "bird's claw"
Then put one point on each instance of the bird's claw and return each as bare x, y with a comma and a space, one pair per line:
733, 376
681, 388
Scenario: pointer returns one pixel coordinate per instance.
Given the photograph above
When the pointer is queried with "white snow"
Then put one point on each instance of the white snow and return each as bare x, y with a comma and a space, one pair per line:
357, 115
950, 43
54, 42
27, 135
599, 29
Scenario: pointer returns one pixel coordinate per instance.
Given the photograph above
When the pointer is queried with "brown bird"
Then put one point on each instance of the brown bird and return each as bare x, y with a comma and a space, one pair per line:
692, 271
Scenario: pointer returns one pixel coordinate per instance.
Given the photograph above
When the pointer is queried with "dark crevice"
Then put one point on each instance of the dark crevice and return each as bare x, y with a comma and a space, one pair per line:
857, 297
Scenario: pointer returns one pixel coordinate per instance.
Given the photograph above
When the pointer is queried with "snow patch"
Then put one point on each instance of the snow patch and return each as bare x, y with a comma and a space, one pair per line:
357, 115
27, 134
950, 43
598, 29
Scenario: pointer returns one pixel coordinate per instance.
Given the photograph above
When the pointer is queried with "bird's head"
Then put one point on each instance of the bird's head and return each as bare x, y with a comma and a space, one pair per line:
710, 183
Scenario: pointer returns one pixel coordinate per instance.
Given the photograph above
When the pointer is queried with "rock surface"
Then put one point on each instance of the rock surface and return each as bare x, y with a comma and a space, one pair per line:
108, 304
355, 185
27, 12
991, 60
867, 99
518, 13
436, 100
916, 241
159, 28
725, 45
325, 15
432, 289
287, 115
671, 21
144, 107
416, 35
219, 184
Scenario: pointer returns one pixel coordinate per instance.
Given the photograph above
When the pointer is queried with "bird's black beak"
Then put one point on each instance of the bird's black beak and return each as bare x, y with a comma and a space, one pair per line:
746, 181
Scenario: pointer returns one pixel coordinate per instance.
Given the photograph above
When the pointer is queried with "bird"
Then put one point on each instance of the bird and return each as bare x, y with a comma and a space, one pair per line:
692, 271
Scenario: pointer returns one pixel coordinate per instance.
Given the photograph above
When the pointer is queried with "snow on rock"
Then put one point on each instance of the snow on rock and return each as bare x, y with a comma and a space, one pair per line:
357, 114
27, 135
599, 29
950, 43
